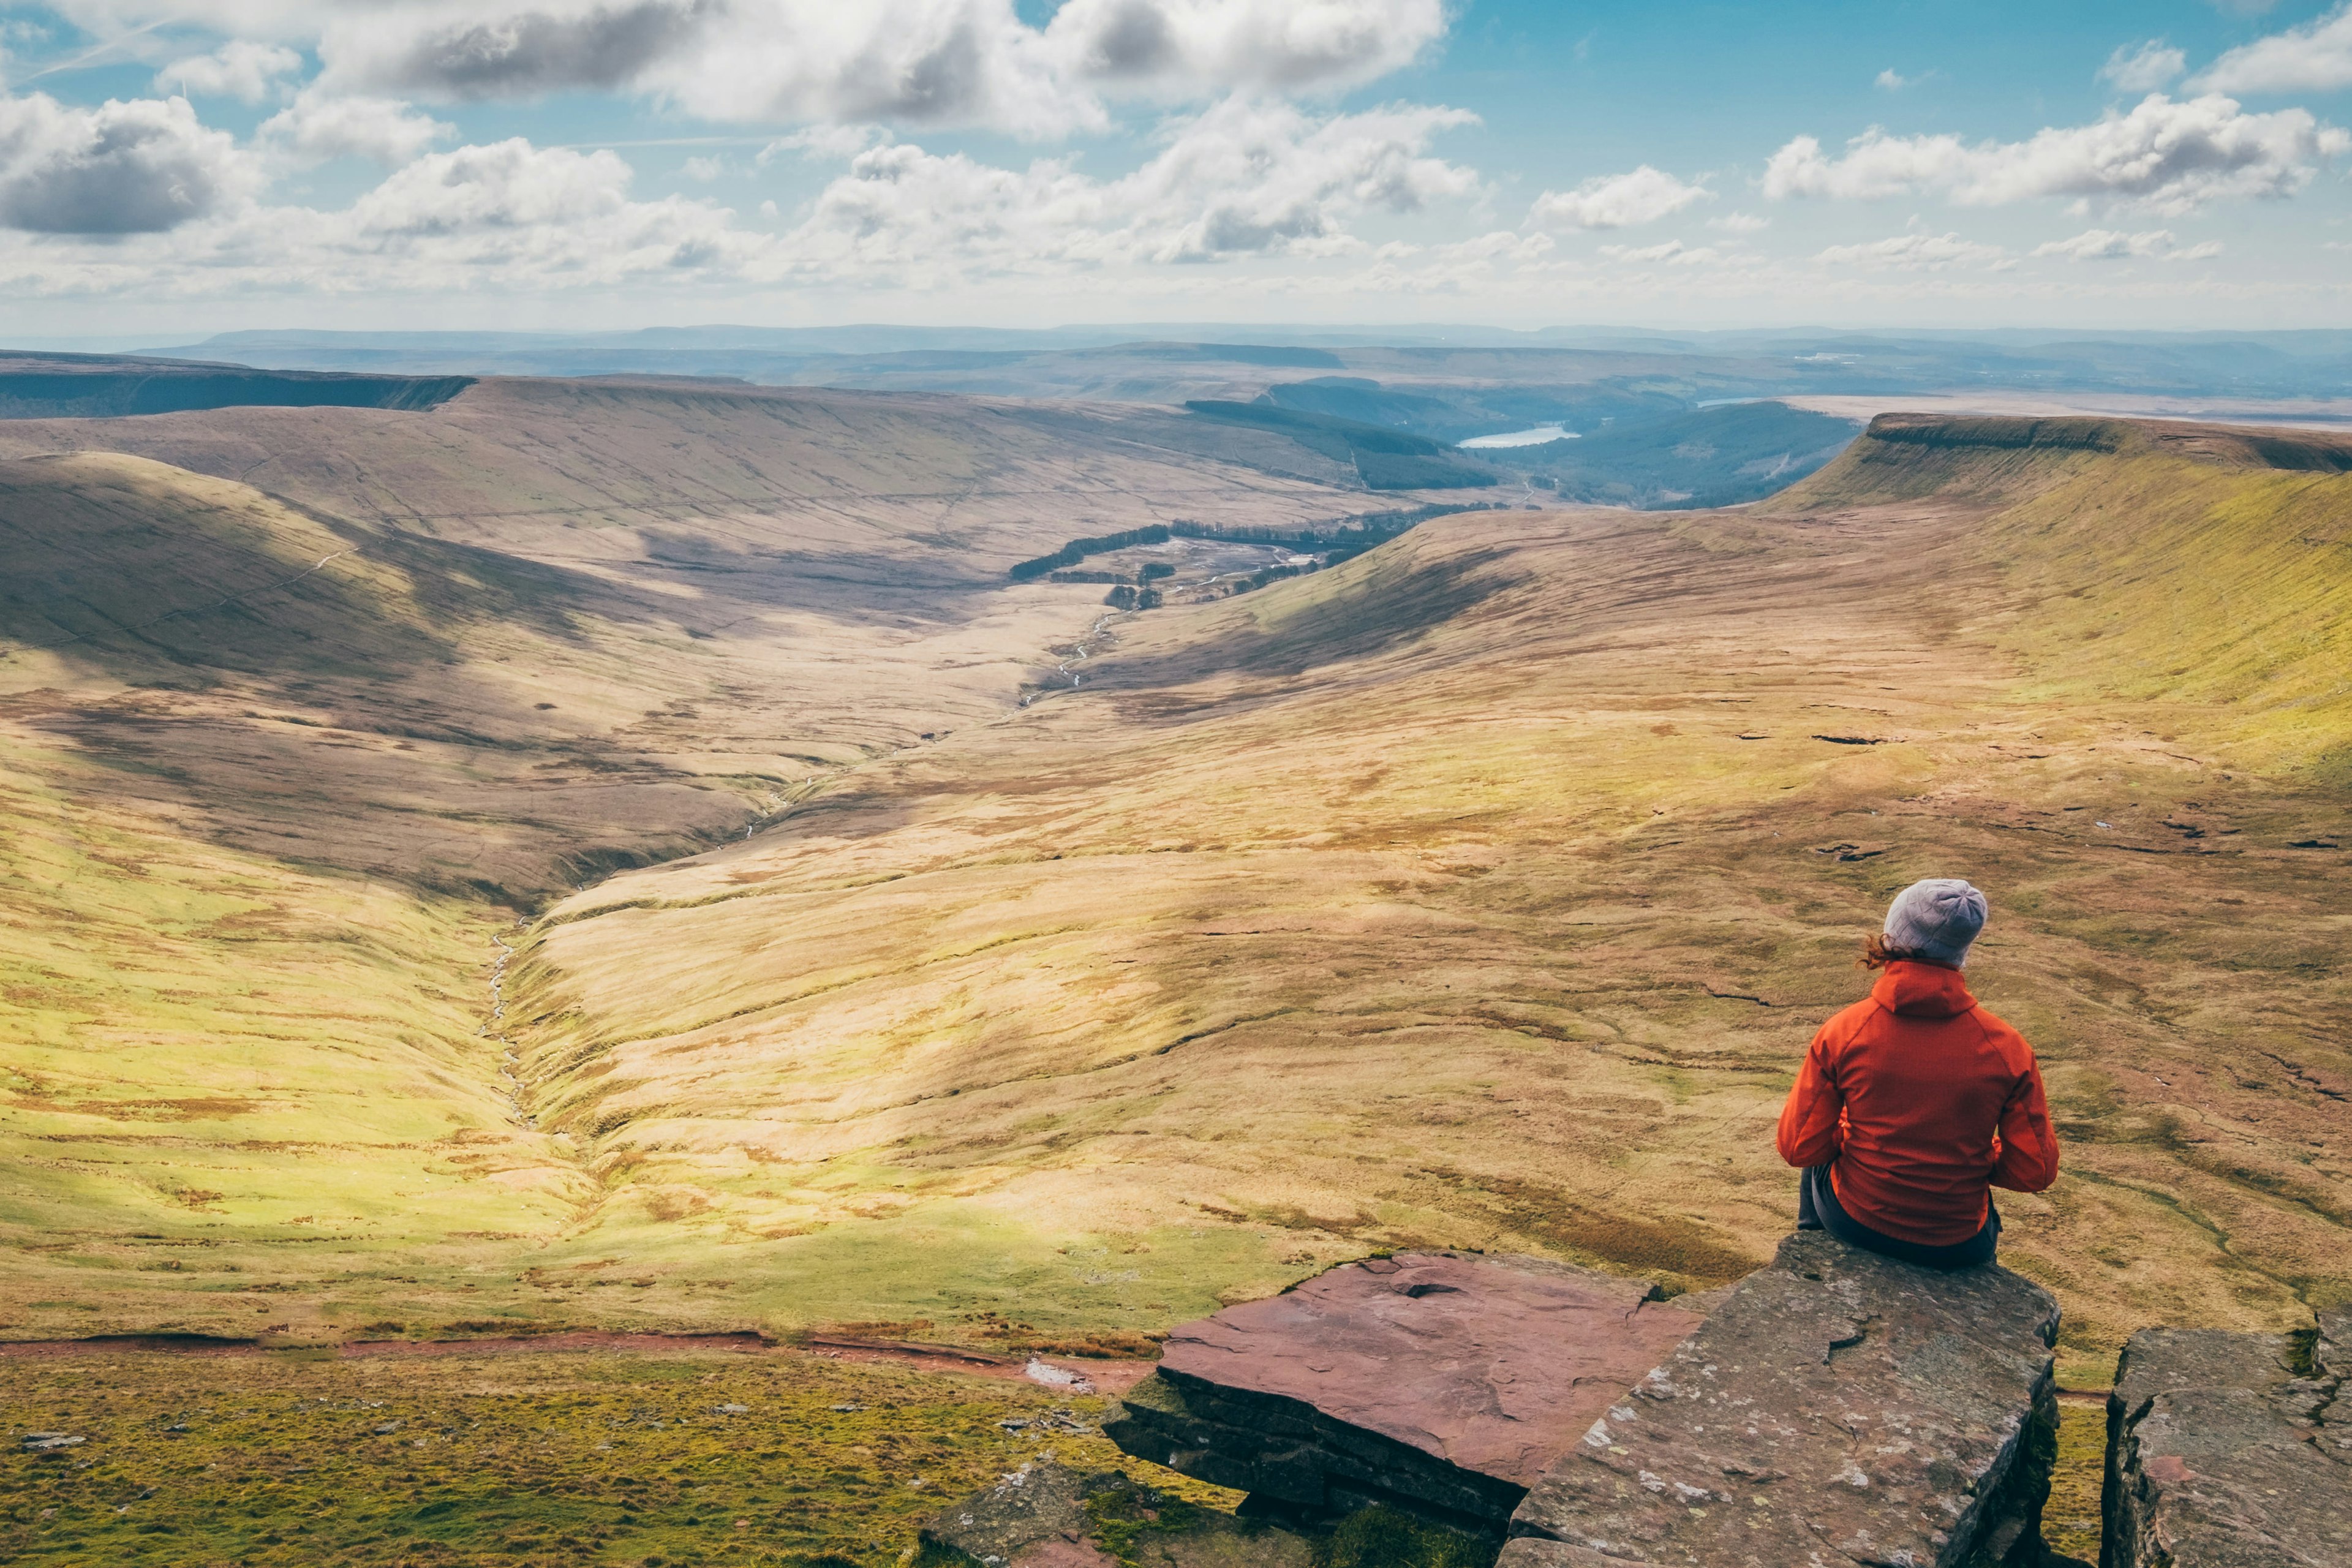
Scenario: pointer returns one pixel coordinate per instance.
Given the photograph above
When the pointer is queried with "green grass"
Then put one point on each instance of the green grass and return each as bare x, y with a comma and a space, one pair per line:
568, 1459
2070, 1519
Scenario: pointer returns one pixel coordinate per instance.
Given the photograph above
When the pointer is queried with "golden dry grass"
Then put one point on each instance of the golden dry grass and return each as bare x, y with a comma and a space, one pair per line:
1486, 890
300, 708
1482, 892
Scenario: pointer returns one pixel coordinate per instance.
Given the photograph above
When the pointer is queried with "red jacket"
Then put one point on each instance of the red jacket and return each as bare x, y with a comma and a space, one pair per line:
1919, 1100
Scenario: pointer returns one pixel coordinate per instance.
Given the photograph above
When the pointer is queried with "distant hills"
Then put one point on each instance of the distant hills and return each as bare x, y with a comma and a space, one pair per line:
1058, 361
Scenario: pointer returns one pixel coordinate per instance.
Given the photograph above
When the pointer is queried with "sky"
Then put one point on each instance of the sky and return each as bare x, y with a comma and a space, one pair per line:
182, 167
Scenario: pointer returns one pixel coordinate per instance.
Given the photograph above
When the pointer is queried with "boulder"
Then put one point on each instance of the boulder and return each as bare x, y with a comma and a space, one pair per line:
1443, 1383
2231, 1450
1838, 1407
1035, 1515
1045, 1515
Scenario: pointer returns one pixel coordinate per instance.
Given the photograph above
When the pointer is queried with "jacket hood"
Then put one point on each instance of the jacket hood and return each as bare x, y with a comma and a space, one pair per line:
1922, 991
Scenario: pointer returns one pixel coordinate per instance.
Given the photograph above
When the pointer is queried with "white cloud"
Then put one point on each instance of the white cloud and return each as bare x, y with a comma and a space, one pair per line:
1618, 201
504, 185
1891, 81
319, 126
2313, 58
240, 68
923, 62
2143, 68
703, 169
823, 143
1917, 253
1244, 178
1193, 47
2171, 157
1673, 253
133, 167
2113, 245
1740, 223
503, 216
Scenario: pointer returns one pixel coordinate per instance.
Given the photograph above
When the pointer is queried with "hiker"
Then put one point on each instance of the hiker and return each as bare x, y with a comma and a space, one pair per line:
1914, 1103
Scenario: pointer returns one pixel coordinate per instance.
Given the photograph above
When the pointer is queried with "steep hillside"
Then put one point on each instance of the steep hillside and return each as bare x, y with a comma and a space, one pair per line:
44, 386
2200, 572
301, 708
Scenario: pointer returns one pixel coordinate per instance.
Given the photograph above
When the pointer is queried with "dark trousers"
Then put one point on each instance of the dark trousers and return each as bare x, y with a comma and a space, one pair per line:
1818, 1209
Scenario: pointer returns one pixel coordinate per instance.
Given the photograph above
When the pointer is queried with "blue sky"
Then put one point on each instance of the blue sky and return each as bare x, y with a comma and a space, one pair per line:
213, 164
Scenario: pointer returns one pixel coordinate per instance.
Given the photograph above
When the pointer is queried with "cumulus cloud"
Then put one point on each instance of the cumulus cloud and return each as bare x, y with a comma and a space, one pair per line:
2114, 245
1891, 81
504, 185
1917, 253
319, 126
1245, 178
503, 215
514, 51
1192, 47
2170, 156
917, 62
119, 168
1618, 201
2313, 58
241, 68
2143, 67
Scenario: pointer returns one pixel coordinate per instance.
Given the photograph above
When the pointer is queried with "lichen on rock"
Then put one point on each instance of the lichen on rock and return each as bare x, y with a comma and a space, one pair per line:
1837, 1407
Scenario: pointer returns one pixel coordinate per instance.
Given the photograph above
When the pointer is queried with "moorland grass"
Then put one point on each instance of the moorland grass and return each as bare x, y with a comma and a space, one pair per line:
537, 1460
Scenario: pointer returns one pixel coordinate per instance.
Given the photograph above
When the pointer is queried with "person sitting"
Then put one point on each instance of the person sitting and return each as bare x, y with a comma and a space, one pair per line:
1917, 1102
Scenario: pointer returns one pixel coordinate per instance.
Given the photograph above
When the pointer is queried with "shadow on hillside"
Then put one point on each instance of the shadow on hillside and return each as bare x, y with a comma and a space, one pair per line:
1384, 605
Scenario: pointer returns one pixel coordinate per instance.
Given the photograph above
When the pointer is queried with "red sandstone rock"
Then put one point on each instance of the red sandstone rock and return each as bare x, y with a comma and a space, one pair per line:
1444, 1382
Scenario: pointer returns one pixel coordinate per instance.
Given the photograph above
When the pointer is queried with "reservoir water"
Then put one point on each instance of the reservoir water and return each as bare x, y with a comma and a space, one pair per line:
1535, 437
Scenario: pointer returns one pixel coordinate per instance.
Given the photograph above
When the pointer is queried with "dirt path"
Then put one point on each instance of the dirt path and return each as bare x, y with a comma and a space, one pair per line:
1072, 1374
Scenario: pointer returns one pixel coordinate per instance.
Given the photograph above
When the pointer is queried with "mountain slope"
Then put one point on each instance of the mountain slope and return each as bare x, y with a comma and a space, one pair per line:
1481, 891
1484, 891
282, 755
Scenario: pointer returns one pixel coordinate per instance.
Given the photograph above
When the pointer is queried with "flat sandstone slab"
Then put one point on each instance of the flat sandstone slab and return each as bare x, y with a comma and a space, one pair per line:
1445, 1381
1838, 1407
2230, 1450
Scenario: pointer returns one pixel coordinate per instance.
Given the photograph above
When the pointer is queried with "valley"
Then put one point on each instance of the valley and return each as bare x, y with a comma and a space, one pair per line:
1478, 890
305, 710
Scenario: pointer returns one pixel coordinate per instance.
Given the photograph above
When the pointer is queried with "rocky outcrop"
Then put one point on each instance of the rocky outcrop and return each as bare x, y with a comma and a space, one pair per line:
1045, 1515
1443, 1383
1837, 1409
2231, 1450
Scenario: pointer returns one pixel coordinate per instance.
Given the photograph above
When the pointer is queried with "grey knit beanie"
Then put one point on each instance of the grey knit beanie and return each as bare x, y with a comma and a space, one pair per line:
1936, 919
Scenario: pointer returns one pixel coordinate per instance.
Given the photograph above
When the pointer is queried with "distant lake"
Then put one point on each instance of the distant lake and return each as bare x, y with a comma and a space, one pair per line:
1535, 437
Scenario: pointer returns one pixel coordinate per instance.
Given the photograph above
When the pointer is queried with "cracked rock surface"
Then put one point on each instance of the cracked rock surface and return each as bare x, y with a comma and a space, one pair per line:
1443, 1382
2230, 1450
1838, 1408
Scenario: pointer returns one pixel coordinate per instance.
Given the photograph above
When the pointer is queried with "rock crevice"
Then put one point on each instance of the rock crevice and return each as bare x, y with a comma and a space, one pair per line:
2231, 1450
